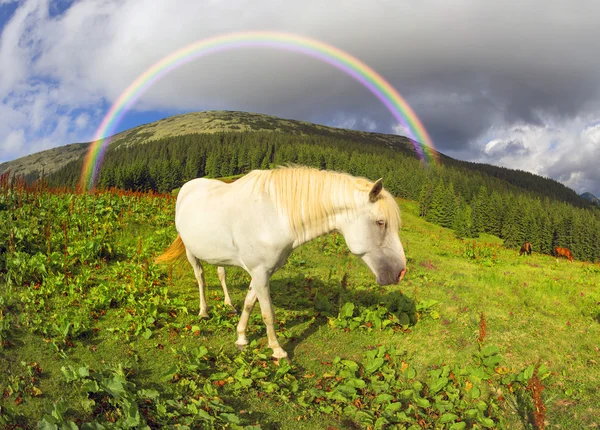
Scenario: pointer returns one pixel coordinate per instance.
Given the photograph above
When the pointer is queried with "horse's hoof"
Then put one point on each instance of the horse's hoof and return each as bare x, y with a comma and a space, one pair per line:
203, 316
240, 347
233, 309
279, 353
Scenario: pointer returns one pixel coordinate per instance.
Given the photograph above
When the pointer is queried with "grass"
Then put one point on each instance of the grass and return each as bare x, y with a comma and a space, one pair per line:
535, 310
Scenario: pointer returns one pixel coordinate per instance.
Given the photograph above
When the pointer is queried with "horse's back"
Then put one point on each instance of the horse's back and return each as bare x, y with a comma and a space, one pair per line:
198, 186
227, 224
563, 252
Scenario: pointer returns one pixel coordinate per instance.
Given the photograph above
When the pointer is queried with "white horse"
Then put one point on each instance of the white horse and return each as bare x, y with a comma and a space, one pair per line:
257, 221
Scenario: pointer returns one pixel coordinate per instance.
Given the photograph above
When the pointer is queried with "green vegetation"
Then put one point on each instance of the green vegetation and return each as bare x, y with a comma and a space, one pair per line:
468, 197
450, 195
94, 335
49, 161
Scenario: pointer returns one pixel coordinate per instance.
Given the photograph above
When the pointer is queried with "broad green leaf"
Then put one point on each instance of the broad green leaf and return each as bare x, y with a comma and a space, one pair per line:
404, 318
448, 417
90, 386
352, 365
356, 383
438, 385
170, 372
381, 423
347, 310
392, 408
202, 414
373, 365
148, 394
474, 393
421, 402
115, 387
47, 423
383, 398
218, 376
486, 422
490, 350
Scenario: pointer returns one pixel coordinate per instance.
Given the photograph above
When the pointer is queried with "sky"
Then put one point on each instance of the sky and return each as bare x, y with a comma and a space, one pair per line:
513, 83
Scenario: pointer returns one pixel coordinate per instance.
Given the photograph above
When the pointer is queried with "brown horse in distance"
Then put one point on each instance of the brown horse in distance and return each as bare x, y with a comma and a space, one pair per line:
526, 248
563, 252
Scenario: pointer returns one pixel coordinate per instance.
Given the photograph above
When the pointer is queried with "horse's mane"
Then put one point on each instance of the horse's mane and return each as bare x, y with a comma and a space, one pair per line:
308, 197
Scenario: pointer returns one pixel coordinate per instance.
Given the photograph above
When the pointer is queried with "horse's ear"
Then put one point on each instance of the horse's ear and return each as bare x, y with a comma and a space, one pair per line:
377, 187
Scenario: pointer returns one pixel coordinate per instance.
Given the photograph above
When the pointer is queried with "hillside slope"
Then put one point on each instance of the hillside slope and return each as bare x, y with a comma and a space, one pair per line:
208, 122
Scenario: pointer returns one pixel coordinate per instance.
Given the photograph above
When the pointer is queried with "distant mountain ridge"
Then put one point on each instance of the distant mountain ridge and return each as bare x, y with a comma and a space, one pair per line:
590, 197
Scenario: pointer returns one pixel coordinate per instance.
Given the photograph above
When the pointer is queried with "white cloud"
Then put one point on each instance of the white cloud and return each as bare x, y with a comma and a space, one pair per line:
343, 121
369, 124
401, 130
561, 151
14, 141
82, 121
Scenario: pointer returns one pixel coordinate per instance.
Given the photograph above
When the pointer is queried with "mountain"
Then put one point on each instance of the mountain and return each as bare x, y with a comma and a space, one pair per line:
51, 160
470, 198
590, 197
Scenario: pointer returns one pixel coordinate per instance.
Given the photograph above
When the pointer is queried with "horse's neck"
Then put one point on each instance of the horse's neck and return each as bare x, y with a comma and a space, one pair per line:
313, 228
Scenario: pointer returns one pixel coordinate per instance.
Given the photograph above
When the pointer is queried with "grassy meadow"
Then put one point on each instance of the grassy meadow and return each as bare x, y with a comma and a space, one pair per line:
94, 335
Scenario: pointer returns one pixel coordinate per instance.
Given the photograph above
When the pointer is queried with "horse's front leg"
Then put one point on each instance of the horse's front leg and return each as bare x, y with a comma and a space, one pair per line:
266, 308
259, 289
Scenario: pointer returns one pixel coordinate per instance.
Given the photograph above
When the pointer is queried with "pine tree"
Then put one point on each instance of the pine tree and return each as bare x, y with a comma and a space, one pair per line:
425, 197
481, 211
450, 204
513, 228
463, 222
436, 211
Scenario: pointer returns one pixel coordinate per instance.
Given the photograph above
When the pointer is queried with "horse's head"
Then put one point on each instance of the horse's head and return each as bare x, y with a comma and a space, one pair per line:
372, 233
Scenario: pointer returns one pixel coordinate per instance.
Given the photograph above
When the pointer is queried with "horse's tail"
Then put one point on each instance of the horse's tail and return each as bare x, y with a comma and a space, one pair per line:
174, 253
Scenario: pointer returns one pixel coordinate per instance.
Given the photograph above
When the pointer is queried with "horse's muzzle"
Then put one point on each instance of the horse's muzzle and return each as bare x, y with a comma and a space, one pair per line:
401, 275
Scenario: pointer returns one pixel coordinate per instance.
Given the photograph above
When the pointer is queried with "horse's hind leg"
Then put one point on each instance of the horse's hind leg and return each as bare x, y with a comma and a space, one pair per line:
242, 326
221, 273
199, 273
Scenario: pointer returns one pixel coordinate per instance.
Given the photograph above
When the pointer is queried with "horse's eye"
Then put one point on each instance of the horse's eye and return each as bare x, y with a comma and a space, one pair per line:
381, 223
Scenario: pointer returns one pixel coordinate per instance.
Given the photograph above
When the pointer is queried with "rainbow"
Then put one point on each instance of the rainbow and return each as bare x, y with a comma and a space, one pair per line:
311, 47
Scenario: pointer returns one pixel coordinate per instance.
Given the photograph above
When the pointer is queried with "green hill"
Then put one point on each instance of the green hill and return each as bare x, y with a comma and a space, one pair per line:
216, 122
468, 197
94, 335
51, 160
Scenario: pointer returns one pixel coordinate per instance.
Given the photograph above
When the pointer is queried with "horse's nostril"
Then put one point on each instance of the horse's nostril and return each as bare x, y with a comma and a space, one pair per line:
401, 274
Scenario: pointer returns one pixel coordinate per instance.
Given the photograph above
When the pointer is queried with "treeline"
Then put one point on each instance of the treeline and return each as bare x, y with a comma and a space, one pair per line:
514, 217
470, 201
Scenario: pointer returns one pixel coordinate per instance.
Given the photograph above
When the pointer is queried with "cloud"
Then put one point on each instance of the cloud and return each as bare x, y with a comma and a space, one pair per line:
506, 147
14, 141
472, 70
401, 130
568, 154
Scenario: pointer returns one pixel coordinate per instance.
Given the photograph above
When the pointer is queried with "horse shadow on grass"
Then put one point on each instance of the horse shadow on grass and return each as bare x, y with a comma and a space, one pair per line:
301, 299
